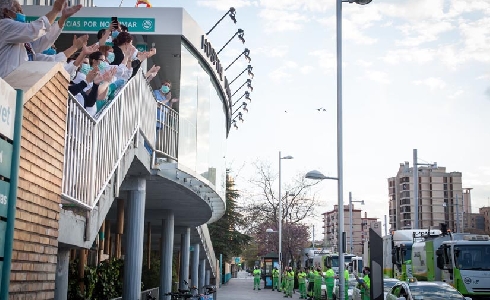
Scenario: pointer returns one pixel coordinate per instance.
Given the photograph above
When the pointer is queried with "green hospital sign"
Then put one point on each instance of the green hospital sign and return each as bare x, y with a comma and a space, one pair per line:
95, 24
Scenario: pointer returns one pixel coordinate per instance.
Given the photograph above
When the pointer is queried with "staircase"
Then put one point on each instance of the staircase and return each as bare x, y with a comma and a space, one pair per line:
99, 152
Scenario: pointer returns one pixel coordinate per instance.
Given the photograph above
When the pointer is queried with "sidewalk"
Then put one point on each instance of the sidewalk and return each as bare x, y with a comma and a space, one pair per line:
241, 288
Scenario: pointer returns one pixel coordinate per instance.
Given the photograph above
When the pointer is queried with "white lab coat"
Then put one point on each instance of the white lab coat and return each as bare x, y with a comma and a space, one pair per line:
14, 35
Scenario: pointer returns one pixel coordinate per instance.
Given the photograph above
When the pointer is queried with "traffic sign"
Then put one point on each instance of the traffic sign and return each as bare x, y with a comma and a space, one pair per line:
4, 196
237, 260
7, 109
5, 158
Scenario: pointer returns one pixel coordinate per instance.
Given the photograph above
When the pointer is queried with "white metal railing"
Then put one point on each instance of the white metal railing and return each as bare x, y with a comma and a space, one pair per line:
94, 147
208, 246
167, 131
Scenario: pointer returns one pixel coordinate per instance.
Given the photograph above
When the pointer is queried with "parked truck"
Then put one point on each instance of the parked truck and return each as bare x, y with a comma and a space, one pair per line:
397, 251
462, 260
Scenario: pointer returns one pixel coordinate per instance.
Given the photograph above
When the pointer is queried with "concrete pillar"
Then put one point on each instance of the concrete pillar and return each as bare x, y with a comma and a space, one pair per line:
195, 265
61, 279
134, 238
202, 274
207, 279
166, 258
185, 244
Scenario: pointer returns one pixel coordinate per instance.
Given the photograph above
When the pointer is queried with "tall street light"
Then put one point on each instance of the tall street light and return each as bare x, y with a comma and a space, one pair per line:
350, 219
340, 166
280, 216
415, 175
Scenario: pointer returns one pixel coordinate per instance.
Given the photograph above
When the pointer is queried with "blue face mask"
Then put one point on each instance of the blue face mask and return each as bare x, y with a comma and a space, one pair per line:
85, 68
103, 65
110, 57
115, 34
20, 17
49, 51
165, 89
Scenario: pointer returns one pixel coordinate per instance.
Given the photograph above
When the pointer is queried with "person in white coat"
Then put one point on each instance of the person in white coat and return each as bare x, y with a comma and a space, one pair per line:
21, 41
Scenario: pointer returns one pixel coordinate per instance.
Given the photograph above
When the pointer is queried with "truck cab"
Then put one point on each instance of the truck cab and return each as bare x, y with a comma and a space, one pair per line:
465, 265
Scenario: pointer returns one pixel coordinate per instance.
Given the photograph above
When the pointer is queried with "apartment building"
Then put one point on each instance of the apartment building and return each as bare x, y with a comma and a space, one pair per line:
441, 197
360, 228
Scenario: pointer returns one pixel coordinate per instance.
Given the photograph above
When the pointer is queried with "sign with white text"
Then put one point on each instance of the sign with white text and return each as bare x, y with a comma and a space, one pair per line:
7, 109
96, 23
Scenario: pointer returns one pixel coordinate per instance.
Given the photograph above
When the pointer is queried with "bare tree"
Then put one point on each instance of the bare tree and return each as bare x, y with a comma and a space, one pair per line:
298, 201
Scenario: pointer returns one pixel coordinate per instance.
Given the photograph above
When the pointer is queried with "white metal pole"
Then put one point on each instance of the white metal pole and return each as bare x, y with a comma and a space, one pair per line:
351, 225
340, 166
386, 226
415, 190
457, 214
280, 223
313, 237
462, 205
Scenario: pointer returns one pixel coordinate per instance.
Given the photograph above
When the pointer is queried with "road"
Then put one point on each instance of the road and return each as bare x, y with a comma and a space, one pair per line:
241, 288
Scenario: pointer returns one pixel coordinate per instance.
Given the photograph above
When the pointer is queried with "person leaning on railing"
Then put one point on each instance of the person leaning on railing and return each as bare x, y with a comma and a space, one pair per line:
20, 40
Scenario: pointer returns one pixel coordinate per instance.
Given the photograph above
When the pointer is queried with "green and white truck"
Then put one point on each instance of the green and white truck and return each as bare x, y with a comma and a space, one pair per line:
462, 260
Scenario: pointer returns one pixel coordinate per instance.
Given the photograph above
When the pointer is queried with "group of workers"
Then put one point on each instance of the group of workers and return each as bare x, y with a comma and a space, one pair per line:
315, 278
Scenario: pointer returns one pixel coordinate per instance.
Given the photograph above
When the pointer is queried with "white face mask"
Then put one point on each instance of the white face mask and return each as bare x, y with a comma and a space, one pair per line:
135, 55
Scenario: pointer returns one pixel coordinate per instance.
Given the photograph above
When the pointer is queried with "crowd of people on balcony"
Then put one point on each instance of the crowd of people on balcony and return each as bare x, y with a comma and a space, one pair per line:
97, 72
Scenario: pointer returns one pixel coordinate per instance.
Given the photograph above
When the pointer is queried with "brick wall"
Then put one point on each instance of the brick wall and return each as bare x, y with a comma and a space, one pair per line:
39, 193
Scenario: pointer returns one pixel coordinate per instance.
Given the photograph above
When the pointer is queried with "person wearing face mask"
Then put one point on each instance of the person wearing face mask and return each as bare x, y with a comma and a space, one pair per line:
20, 40
365, 283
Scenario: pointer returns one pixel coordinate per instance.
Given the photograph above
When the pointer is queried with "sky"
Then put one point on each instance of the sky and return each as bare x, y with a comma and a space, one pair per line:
416, 74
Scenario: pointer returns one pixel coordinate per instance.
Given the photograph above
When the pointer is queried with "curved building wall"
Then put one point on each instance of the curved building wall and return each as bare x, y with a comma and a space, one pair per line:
202, 122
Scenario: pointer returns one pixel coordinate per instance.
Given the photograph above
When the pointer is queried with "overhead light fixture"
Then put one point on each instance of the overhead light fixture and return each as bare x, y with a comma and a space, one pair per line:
231, 12
248, 68
246, 53
240, 33
246, 95
249, 85
360, 2
234, 124
248, 82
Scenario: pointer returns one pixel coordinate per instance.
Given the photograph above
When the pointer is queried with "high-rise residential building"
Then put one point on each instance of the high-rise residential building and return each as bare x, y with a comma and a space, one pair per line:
485, 212
85, 3
440, 198
360, 228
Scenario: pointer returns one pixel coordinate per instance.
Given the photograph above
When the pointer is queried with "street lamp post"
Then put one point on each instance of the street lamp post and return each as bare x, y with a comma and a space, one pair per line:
340, 166
351, 220
280, 216
416, 186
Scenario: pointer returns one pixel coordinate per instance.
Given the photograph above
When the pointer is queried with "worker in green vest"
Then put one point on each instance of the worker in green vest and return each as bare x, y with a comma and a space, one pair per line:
302, 284
317, 287
311, 282
290, 282
257, 274
275, 278
365, 284
346, 286
330, 282
284, 283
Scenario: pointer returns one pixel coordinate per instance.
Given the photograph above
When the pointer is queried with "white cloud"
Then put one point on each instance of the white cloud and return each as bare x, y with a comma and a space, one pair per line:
456, 94
274, 51
308, 5
225, 4
432, 82
416, 55
284, 73
422, 32
364, 63
377, 76
306, 69
282, 20
326, 60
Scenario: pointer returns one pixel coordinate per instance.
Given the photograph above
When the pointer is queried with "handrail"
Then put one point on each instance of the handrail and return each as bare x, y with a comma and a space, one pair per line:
94, 147
208, 247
